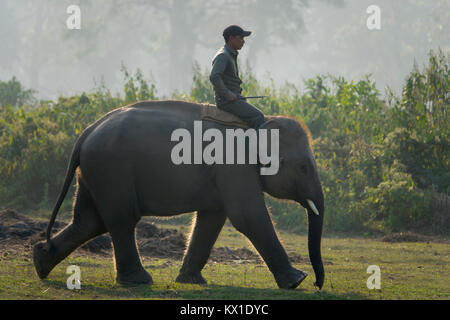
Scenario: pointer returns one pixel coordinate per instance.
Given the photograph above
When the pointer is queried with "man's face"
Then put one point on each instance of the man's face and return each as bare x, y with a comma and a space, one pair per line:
236, 42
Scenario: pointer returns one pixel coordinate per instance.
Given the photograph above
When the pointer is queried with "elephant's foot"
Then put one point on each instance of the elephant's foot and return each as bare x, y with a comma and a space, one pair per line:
290, 279
195, 278
42, 259
136, 277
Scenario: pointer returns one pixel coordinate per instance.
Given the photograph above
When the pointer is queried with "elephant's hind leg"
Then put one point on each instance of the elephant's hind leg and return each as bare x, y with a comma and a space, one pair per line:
119, 212
86, 224
205, 231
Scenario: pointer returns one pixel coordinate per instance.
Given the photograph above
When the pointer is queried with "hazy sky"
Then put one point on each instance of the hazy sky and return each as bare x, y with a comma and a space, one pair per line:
292, 40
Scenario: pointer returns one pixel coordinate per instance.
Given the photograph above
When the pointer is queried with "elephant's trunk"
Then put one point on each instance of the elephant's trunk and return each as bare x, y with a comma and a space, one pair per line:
315, 222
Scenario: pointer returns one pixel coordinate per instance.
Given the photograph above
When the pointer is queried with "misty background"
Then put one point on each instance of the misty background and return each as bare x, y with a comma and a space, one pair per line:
292, 40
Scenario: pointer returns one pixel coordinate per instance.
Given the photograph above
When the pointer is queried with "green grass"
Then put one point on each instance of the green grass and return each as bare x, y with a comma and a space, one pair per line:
408, 271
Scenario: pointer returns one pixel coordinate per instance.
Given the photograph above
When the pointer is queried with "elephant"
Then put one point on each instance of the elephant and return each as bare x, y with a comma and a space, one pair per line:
124, 171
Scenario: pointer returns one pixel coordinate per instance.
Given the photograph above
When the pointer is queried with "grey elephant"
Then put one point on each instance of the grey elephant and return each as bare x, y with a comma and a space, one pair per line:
124, 171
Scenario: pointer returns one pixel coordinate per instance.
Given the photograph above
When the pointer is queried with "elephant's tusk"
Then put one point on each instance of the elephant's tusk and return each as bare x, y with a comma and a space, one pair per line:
312, 206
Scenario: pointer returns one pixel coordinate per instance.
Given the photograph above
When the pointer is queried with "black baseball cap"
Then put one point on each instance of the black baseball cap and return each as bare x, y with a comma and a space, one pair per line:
235, 30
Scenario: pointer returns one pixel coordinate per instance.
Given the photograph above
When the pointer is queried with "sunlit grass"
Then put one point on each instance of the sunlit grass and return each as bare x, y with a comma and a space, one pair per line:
408, 271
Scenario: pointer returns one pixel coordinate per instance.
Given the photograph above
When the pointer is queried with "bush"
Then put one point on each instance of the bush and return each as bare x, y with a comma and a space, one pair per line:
35, 145
379, 163
422, 140
397, 204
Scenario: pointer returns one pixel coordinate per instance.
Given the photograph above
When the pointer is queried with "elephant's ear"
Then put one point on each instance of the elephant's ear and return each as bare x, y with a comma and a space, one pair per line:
273, 124
288, 129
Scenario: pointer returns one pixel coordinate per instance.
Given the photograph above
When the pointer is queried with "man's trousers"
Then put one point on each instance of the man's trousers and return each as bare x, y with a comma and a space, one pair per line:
245, 111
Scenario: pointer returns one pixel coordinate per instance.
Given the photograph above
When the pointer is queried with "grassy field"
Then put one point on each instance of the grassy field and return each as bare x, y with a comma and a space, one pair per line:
408, 271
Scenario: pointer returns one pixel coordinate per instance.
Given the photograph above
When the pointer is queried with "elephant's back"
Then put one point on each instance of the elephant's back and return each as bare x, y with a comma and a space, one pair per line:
137, 128
166, 110
145, 119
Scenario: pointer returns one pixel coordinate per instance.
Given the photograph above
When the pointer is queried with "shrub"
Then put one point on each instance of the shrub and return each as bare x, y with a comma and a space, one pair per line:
397, 203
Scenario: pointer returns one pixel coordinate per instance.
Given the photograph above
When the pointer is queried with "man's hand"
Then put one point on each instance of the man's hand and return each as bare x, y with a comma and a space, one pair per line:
232, 97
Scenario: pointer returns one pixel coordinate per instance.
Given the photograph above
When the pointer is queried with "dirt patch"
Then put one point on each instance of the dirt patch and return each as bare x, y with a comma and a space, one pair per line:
409, 237
161, 243
100, 244
15, 227
224, 254
18, 232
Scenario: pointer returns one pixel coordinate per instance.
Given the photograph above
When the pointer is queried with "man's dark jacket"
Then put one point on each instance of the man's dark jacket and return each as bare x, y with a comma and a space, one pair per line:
225, 75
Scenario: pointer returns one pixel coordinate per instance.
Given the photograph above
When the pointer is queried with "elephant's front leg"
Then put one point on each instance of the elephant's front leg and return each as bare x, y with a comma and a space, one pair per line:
245, 207
128, 265
206, 229
254, 222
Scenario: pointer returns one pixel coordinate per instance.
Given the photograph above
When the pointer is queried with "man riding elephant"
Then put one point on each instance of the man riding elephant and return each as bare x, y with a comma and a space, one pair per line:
124, 169
226, 82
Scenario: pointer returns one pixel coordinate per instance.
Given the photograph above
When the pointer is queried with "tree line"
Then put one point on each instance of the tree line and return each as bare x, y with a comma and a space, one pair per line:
383, 160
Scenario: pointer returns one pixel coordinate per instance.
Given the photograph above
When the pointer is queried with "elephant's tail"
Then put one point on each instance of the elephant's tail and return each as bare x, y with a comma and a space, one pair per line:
73, 164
